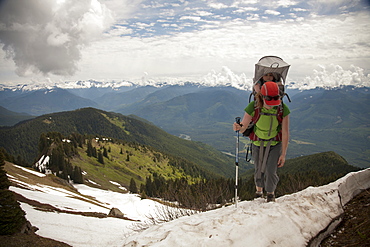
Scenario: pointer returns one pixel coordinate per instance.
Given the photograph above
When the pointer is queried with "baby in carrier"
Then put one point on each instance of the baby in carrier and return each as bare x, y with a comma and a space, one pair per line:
268, 77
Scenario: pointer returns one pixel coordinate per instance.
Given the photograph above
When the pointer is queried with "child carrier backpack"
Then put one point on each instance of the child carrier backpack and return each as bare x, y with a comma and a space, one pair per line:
275, 65
249, 132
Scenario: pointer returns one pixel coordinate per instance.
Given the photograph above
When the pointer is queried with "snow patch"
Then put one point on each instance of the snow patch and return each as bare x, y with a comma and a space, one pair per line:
115, 183
35, 172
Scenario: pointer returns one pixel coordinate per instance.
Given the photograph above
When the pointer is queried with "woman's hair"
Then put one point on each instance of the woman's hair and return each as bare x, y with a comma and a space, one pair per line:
259, 100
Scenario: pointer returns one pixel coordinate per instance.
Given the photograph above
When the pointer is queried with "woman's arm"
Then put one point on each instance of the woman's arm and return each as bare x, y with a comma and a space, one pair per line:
285, 140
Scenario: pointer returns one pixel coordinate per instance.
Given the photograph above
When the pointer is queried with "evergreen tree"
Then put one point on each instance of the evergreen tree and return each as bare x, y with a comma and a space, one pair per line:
77, 176
105, 152
149, 186
4, 182
142, 188
94, 152
7, 156
11, 214
43, 143
57, 162
63, 173
100, 158
133, 188
89, 150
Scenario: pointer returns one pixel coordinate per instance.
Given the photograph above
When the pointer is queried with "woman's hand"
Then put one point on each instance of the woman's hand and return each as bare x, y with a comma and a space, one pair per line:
236, 127
281, 161
243, 124
285, 141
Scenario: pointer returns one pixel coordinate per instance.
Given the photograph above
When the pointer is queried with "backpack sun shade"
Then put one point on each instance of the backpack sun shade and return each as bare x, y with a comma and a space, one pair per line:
271, 64
274, 65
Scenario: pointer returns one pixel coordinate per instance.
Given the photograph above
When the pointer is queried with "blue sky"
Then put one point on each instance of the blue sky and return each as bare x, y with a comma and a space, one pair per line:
42, 41
171, 17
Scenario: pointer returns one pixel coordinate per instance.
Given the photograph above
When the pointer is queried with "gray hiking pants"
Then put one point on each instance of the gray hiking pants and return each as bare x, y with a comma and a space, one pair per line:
266, 177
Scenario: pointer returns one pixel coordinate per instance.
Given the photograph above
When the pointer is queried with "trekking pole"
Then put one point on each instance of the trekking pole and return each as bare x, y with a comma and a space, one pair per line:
237, 120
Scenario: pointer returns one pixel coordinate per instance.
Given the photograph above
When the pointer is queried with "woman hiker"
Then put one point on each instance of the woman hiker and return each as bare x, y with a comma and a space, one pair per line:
269, 137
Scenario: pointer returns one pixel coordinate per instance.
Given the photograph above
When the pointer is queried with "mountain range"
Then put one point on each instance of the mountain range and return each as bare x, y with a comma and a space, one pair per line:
45, 101
9, 118
321, 119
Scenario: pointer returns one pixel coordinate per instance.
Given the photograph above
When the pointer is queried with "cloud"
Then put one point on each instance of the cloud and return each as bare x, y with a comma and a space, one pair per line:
272, 12
245, 10
203, 13
47, 36
217, 5
122, 9
193, 18
287, 3
323, 7
334, 76
236, 44
189, 38
228, 78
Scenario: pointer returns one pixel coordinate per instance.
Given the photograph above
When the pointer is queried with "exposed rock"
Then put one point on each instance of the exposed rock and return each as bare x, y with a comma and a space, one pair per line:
115, 212
27, 228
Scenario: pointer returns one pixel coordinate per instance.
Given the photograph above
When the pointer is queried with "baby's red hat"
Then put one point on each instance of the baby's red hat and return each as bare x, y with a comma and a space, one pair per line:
270, 88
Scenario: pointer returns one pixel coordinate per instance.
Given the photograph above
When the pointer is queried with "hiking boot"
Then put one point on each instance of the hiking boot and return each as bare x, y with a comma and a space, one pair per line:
258, 194
270, 197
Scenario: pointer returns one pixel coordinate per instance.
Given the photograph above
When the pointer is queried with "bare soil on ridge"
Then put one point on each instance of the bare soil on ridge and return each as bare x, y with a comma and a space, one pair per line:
354, 230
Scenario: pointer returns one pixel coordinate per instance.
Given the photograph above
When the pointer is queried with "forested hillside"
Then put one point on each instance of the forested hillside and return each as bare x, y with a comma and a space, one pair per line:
205, 115
21, 140
332, 120
98, 161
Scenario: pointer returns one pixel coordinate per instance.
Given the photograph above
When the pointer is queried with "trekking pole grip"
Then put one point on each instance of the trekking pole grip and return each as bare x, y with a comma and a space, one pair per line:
237, 120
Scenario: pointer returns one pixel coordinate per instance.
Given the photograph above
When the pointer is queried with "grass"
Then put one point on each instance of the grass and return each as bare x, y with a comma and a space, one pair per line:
134, 162
117, 122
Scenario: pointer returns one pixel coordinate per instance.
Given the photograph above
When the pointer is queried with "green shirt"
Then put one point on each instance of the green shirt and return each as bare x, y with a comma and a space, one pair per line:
262, 127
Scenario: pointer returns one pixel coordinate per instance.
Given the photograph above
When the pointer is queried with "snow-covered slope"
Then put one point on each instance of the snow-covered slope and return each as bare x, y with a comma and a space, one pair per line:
292, 221
72, 227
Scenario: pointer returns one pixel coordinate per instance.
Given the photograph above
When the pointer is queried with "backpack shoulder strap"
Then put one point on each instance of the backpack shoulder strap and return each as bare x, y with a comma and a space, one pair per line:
280, 113
257, 114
